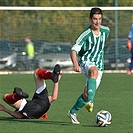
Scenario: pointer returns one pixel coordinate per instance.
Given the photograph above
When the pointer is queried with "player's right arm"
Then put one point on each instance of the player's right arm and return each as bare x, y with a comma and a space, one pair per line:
75, 61
15, 114
76, 48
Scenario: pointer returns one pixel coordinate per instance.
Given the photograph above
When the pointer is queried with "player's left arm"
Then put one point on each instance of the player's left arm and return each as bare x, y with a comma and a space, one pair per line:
54, 95
129, 43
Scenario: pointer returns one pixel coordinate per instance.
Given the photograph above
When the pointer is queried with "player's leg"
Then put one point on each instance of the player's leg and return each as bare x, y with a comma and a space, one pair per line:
92, 85
81, 102
78, 105
129, 72
91, 72
12, 113
54, 95
40, 75
44, 116
46, 74
15, 96
131, 64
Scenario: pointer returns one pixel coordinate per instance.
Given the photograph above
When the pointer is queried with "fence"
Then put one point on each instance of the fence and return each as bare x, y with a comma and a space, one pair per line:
59, 26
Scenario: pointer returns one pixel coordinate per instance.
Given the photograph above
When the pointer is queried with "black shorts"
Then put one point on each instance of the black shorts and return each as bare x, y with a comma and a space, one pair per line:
37, 106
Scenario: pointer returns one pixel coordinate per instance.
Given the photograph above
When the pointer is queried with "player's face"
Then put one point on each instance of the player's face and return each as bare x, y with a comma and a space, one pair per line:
96, 21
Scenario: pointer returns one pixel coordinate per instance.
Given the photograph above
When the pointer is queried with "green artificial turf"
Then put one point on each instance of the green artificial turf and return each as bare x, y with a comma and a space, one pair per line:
115, 94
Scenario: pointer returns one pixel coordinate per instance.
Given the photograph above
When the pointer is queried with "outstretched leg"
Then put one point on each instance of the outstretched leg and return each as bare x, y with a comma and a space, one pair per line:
15, 100
46, 74
40, 75
78, 105
17, 95
55, 76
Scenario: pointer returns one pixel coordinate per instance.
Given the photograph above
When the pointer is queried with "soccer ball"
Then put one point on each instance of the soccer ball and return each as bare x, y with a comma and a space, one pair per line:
103, 118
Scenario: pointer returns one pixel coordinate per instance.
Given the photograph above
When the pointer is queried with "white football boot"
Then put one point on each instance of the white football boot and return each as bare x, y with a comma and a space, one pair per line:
73, 118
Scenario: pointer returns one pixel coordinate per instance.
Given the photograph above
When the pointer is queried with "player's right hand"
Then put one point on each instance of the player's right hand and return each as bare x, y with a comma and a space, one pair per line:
77, 68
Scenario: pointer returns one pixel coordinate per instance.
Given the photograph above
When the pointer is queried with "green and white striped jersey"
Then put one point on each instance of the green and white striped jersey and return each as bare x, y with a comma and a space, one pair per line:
90, 48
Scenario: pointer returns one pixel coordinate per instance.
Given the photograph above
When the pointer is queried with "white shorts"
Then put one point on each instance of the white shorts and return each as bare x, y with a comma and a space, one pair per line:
85, 69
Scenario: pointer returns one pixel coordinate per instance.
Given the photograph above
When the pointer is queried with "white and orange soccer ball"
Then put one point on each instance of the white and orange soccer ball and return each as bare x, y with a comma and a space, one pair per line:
103, 118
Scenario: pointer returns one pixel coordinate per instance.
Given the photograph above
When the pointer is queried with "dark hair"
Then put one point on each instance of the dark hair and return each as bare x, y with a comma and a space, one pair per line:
95, 10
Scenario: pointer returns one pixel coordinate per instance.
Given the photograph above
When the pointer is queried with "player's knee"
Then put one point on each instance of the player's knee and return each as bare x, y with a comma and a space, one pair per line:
3, 97
93, 72
36, 72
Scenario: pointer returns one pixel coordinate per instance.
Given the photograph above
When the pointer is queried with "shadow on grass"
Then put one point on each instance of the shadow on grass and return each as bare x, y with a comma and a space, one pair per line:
44, 121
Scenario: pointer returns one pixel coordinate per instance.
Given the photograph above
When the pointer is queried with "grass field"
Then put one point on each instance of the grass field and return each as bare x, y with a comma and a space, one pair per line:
115, 94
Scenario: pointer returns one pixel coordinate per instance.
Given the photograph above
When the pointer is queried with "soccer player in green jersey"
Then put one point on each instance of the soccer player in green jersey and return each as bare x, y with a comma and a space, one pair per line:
87, 57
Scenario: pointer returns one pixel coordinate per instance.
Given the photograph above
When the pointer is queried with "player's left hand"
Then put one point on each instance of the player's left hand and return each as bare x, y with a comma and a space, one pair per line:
77, 68
129, 45
60, 75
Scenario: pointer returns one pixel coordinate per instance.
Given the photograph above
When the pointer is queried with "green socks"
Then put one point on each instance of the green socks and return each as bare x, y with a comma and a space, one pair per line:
78, 105
91, 87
